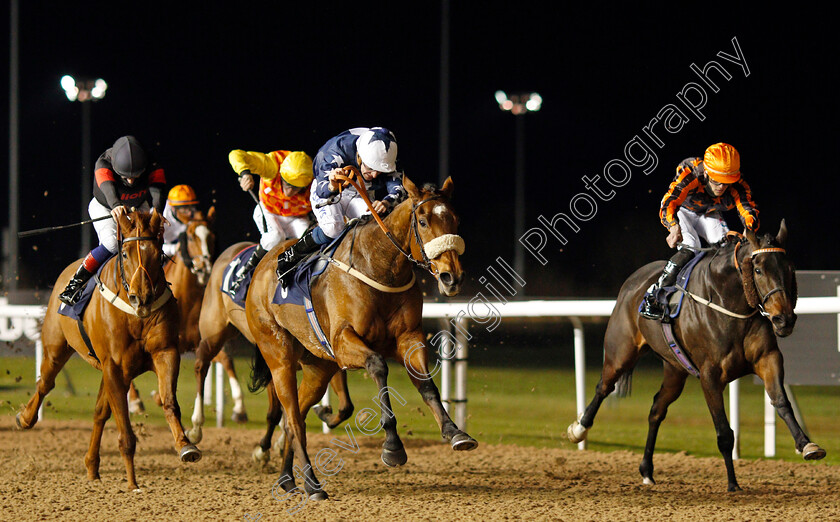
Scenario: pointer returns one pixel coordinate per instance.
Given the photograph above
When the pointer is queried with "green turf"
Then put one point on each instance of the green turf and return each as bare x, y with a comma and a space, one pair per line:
524, 406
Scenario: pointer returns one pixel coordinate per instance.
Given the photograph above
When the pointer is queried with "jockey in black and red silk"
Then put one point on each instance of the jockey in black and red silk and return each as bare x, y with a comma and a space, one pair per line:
126, 177
692, 209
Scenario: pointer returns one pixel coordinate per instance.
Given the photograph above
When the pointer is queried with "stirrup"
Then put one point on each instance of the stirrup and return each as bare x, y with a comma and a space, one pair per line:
651, 309
72, 292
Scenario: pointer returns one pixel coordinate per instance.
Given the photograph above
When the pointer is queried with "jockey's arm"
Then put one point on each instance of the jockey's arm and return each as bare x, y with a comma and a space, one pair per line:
245, 163
742, 195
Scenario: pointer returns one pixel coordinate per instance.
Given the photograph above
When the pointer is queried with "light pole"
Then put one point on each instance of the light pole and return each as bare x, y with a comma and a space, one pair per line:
84, 91
519, 105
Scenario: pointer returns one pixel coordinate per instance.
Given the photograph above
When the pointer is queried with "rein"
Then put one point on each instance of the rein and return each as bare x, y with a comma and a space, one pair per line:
113, 297
426, 264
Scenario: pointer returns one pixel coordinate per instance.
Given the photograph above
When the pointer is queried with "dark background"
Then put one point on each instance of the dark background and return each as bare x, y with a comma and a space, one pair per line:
195, 80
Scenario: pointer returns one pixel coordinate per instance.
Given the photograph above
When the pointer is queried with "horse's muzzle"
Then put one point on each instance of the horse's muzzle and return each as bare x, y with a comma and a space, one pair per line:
143, 309
783, 324
450, 284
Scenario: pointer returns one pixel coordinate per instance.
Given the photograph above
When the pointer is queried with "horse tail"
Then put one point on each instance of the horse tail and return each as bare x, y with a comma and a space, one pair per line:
260, 373
624, 385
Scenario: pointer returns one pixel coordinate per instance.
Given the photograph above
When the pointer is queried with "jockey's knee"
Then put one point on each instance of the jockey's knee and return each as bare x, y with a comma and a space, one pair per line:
271, 239
332, 229
110, 243
170, 249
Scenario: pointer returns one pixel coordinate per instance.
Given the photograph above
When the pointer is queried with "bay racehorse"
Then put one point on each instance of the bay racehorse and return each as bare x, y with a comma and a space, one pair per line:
188, 273
221, 320
132, 326
740, 298
367, 317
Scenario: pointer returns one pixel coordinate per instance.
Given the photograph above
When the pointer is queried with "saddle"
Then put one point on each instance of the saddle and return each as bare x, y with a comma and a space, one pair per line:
77, 311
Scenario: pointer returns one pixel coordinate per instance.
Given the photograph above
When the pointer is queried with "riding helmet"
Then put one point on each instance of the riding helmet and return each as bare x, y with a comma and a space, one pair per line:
128, 157
722, 163
377, 147
296, 169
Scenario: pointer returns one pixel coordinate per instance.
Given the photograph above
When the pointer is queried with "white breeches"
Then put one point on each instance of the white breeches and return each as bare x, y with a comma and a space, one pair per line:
710, 227
277, 228
106, 229
331, 217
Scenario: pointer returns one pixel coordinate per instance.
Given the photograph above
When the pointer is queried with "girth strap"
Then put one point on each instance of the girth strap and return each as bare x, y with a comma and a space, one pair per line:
681, 356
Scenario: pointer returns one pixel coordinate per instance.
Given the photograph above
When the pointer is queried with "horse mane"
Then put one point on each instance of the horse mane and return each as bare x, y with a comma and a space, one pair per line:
747, 273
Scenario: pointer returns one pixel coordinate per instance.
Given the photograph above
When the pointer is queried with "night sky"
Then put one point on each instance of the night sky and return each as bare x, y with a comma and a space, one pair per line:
194, 83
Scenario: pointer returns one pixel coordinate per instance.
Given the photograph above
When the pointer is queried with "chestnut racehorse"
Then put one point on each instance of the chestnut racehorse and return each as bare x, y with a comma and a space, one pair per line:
752, 288
188, 273
220, 320
365, 321
132, 330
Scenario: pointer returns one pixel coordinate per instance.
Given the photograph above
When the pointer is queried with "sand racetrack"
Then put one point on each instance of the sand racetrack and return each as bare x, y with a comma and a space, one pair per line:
43, 478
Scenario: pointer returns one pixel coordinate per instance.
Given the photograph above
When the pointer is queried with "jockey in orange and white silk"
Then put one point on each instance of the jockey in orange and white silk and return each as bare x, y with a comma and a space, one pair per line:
181, 203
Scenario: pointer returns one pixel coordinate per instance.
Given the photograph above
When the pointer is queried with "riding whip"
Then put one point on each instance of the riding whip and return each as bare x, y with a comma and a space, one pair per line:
257, 199
28, 233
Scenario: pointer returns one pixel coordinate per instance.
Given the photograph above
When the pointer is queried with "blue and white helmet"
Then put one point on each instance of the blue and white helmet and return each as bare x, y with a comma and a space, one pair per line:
377, 147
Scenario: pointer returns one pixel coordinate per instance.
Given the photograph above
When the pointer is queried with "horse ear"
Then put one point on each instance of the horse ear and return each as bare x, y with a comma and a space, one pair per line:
448, 188
211, 215
154, 221
124, 222
751, 237
411, 188
781, 237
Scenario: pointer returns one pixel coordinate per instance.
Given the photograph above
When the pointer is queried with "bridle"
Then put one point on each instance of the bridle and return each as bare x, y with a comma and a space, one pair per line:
122, 279
183, 243
767, 250
426, 263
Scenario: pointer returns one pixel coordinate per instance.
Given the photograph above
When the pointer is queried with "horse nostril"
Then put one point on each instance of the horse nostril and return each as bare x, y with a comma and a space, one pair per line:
446, 278
134, 300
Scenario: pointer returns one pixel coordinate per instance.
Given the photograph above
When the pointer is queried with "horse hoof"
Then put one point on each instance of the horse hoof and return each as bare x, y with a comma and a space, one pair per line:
190, 453
648, 481
463, 442
323, 412
812, 452
194, 434
19, 424
319, 495
241, 418
576, 432
136, 407
260, 457
394, 458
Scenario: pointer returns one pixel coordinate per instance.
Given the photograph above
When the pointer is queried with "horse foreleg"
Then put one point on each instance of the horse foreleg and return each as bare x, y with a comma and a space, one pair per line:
345, 405
239, 415
55, 357
771, 371
135, 404
117, 392
166, 364
412, 352
713, 392
208, 348
100, 416
673, 383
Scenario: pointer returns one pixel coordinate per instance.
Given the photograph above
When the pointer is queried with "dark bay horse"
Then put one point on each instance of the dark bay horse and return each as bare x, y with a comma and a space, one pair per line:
188, 273
754, 282
133, 330
364, 324
221, 320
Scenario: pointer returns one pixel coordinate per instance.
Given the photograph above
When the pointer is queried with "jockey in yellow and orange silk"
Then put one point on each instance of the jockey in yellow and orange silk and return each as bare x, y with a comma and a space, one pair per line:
692, 209
284, 208
126, 177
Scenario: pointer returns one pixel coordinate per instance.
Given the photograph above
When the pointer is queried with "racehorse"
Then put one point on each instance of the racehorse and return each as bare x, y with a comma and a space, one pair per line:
188, 273
219, 321
737, 299
367, 317
126, 339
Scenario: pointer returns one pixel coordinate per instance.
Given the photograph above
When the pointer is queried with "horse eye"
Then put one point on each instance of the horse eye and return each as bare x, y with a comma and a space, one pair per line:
758, 271
423, 223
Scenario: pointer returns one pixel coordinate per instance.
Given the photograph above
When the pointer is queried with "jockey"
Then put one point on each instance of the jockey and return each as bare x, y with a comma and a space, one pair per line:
374, 152
181, 205
283, 210
126, 177
692, 207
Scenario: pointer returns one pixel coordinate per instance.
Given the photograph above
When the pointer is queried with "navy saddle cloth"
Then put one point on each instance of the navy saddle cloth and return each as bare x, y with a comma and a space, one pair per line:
671, 297
77, 311
238, 260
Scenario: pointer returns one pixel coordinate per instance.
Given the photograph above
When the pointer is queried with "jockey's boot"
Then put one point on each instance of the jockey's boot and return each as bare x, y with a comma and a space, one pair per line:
289, 259
249, 266
72, 292
650, 307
